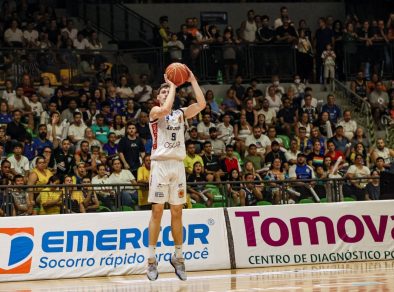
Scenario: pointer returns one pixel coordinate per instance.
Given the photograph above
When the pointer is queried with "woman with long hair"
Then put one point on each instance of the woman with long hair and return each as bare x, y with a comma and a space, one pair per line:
275, 190
241, 131
124, 90
234, 186
197, 192
210, 98
118, 127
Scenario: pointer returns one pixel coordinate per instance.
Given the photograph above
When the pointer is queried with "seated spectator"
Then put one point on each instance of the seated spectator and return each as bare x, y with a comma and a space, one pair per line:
360, 137
100, 129
76, 131
204, 126
358, 170
359, 149
80, 42
291, 154
379, 165
90, 138
20, 102
9, 91
231, 103
124, 90
341, 142
57, 130
326, 128
269, 113
249, 194
19, 163
13, 36
90, 202
333, 110
234, 188
129, 196
73, 201
308, 108
262, 124
274, 99
225, 130
111, 147
83, 156
302, 171
359, 86
286, 118
274, 191
143, 177
277, 88
242, 130
16, 130
261, 141
51, 198
349, 125
372, 190
230, 161
210, 99
5, 115
22, 204
298, 87
46, 115
271, 134
198, 193
275, 152
218, 146
143, 127
249, 169
64, 159
71, 31
250, 112
302, 140
191, 157
382, 151
143, 90
315, 158
130, 113
333, 153
303, 123
30, 36
104, 193
254, 157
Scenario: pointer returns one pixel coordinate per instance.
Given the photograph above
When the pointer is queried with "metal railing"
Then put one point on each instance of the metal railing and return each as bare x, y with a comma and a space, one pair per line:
360, 107
128, 197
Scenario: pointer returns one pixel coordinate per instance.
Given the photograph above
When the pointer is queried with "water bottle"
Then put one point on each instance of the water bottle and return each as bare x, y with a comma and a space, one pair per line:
219, 77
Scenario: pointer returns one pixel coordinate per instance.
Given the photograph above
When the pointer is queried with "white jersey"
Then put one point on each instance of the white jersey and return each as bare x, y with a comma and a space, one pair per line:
168, 137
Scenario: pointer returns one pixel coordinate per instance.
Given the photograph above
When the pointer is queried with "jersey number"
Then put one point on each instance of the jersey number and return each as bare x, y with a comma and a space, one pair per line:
173, 137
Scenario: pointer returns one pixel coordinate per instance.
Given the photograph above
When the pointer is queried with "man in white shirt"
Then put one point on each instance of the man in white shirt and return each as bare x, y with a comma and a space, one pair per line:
30, 35
225, 130
261, 141
143, 91
284, 13
81, 43
19, 163
72, 32
218, 146
13, 36
269, 113
349, 125
204, 126
76, 131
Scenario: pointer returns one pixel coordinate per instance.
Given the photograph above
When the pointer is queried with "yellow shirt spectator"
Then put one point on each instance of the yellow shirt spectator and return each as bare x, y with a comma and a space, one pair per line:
49, 196
143, 176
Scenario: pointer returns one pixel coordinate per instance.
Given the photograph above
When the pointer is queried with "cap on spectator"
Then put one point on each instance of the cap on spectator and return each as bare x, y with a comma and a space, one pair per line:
212, 129
192, 128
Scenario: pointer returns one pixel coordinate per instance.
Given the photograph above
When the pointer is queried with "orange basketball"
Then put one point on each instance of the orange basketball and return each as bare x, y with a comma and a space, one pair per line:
177, 73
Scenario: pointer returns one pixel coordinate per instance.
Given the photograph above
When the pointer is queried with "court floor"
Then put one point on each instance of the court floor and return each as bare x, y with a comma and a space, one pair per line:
360, 276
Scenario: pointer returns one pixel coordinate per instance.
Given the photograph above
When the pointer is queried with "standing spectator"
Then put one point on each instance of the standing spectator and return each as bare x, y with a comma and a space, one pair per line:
143, 127
175, 48
164, 32
130, 149
286, 33
305, 56
9, 91
328, 58
230, 57
323, 36
284, 13
64, 159
143, 177
249, 28
359, 86
379, 101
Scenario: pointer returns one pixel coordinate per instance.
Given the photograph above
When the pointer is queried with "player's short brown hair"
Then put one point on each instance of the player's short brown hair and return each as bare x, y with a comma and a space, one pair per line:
164, 85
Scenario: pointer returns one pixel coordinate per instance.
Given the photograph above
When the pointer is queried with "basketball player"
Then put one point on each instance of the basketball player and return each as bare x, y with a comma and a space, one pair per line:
167, 176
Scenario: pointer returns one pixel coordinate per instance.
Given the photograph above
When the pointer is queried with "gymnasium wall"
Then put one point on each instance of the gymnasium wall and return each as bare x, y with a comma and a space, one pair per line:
177, 13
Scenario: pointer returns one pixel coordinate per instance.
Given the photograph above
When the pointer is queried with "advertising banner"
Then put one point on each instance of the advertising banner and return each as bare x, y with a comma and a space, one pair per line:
312, 233
105, 244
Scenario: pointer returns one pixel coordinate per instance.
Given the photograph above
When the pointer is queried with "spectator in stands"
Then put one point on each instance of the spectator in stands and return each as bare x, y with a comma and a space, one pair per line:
286, 33
229, 55
333, 110
359, 86
51, 198
265, 33
379, 101
175, 48
71, 31
13, 36
284, 13
274, 99
118, 128
268, 112
298, 86
315, 158
130, 149
261, 141
225, 129
218, 145
323, 36
303, 123
333, 153
302, 171
90, 202
191, 157
143, 127
76, 131
230, 162
248, 28
250, 194
30, 36
372, 189
291, 154
328, 59
359, 149
231, 102
22, 204
204, 126
15, 130
131, 113
19, 163
360, 137
358, 170
64, 158
57, 130
198, 192
349, 125
73, 201
382, 151
254, 157
5, 115
211, 162
100, 129
9, 91
326, 128
302, 140
275, 152
143, 91
94, 41
379, 165
68, 91
287, 118
89, 116
20, 102
273, 192
124, 90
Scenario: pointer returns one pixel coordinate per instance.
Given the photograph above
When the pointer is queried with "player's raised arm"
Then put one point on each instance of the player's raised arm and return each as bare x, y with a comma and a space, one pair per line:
195, 108
166, 98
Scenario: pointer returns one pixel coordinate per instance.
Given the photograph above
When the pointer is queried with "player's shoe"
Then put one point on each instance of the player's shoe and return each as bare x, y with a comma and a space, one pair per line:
151, 272
179, 266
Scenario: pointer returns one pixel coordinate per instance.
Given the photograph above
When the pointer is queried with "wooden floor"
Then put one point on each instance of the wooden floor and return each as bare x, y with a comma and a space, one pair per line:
361, 276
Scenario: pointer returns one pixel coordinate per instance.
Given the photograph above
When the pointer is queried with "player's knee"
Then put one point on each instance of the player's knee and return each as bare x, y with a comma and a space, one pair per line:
157, 213
176, 213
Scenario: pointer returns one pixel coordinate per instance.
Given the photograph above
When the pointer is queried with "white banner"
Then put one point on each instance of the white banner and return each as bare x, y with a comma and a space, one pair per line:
105, 244
312, 233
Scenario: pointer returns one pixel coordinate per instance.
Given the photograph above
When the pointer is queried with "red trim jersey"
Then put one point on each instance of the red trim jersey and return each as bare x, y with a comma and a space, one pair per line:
168, 137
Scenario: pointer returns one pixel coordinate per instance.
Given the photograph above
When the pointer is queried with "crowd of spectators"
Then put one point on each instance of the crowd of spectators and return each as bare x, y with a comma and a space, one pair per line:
100, 134
320, 54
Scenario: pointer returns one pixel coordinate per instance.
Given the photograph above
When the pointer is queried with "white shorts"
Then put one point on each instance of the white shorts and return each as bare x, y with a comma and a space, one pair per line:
167, 182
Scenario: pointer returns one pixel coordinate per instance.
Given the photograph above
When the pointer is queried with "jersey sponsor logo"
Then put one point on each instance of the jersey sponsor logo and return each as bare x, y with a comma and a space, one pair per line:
154, 135
159, 194
171, 145
181, 193
171, 128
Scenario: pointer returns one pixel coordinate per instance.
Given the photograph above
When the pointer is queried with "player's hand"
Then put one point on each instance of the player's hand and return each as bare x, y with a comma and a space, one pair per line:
168, 81
191, 75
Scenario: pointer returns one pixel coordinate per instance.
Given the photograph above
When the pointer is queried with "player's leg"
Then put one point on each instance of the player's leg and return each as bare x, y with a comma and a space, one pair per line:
154, 231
